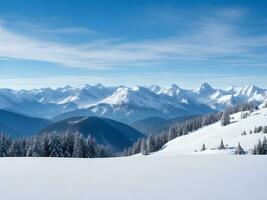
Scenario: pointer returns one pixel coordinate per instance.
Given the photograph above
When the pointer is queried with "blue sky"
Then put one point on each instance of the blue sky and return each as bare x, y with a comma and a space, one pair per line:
55, 43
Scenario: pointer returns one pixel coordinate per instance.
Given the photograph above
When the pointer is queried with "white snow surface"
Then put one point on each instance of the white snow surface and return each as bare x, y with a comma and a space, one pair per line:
132, 178
211, 136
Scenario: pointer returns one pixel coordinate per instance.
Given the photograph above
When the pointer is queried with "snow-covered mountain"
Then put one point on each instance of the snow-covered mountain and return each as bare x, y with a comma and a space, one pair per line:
47, 102
211, 136
126, 103
135, 103
217, 99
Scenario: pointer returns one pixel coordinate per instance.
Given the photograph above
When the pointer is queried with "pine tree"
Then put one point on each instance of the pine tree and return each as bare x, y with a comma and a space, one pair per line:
259, 148
225, 119
144, 150
15, 149
239, 150
150, 144
203, 148
45, 145
91, 147
264, 146
244, 133
3, 145
78, 150
254, 150
221, 146
56, 147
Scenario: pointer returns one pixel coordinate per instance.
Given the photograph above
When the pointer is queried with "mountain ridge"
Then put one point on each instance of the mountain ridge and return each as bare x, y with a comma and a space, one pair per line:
126, 103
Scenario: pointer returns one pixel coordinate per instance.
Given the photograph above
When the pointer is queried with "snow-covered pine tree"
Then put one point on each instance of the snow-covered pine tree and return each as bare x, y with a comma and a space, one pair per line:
15, 149
239, 150
144, 150
56, 148
225, 119
259, 148
221, 146
3, 145
150, 144
264, 146
254, 150
91, 147
45, 138
78, 149
136, 148
67, 144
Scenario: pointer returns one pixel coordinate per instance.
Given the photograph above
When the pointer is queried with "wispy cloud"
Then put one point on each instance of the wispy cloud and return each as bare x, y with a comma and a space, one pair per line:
216, 39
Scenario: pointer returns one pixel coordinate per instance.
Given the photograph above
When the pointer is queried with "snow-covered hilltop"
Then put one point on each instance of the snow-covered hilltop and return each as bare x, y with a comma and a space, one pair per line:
246, 131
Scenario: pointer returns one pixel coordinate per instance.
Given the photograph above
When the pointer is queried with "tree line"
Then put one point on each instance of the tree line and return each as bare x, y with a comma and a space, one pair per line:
155, 142
53, 145
260, 148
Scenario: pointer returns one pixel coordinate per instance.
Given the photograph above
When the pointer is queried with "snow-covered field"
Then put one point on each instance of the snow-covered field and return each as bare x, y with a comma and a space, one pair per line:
211, 136
182, 177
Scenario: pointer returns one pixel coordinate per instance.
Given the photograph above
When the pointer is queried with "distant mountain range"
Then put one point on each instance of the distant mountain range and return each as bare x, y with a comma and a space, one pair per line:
18, 126
125, 104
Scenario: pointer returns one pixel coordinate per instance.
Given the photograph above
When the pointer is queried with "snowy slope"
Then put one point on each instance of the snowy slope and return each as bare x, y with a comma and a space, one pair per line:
212, 134
143, 178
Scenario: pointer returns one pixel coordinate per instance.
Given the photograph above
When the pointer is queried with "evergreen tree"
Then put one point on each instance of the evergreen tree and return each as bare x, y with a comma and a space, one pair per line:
264, 146
144, 150
3, 145
225, 119
259, 148
56, 147
244, 133
203, 148
239, 150
78, 150
221, 146
91, 147
15, 149
45, 145
150, 144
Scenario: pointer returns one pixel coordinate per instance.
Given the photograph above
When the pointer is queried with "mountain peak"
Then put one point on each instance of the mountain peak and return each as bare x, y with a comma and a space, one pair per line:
176, 87
205, 88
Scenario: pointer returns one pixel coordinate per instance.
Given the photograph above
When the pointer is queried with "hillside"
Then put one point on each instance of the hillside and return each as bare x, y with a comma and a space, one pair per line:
211, 136
17, 125
106, 131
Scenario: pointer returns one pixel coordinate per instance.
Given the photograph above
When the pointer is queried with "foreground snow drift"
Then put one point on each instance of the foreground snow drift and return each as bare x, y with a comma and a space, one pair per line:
157, 178
211, 136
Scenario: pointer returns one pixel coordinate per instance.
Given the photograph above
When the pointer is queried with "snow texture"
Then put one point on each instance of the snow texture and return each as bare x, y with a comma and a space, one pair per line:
132, 178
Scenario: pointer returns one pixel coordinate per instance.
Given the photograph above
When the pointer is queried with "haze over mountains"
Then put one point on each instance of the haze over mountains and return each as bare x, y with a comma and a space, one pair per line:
125, 104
